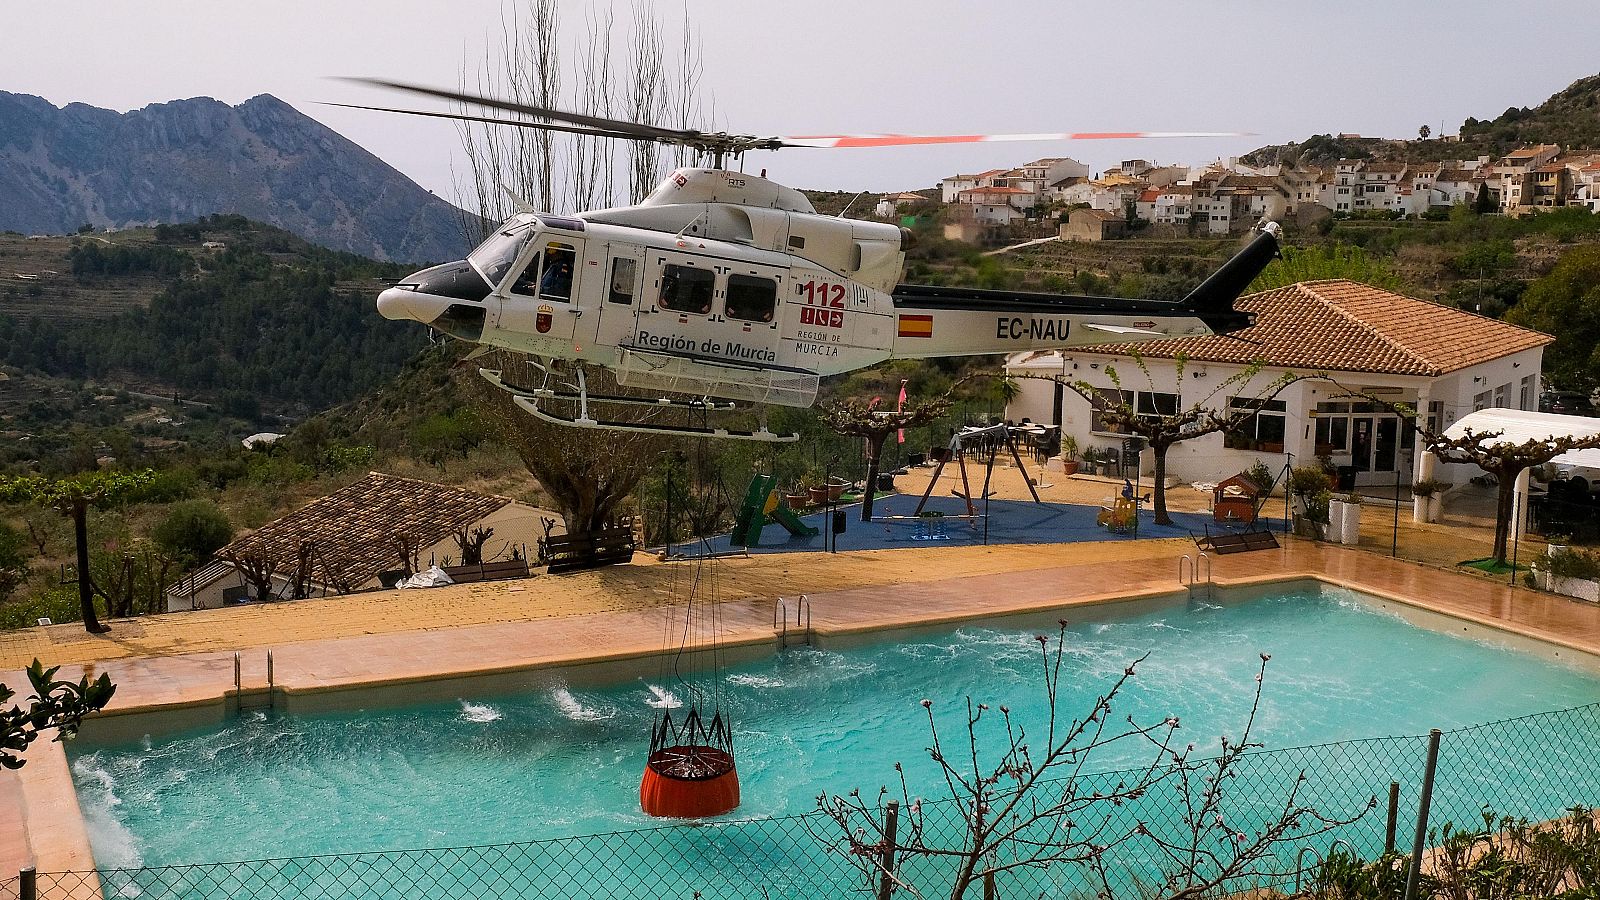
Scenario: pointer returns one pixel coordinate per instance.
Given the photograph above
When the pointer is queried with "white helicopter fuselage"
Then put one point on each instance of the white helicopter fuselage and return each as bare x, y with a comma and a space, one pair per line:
690, 293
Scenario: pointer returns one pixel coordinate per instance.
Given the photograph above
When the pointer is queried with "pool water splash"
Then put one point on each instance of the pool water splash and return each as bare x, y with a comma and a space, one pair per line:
576, 710
479, 713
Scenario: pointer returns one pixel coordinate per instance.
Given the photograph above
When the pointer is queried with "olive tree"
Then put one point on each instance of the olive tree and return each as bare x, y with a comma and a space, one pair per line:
73, 496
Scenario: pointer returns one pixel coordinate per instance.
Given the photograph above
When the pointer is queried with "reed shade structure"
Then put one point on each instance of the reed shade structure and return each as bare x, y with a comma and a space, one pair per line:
690, 772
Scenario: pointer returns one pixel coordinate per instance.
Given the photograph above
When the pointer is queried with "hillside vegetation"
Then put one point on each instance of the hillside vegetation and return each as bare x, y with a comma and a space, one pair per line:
269, 322
1570, 118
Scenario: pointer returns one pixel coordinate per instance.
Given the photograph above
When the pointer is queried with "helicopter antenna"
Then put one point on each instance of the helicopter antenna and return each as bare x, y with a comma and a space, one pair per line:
850, 204
692, 222
522, 205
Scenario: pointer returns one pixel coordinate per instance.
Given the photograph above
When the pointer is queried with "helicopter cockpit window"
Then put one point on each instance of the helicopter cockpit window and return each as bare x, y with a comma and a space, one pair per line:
751, 299
551, 271
496, 255
623, 271
687, 290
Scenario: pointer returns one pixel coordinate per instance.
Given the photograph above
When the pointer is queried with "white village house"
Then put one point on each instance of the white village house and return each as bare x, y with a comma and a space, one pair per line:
351, 535
1442, 361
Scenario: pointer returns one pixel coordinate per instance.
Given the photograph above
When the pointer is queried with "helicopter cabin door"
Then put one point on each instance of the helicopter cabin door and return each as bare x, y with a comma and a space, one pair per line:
542, 301
714, 310
620, 295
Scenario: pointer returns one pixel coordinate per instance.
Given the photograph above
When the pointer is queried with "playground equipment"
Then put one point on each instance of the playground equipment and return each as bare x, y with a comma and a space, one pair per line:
983, 436
762, 506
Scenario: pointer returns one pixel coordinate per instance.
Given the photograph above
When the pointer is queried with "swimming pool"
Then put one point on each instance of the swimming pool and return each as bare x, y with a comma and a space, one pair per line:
565, 759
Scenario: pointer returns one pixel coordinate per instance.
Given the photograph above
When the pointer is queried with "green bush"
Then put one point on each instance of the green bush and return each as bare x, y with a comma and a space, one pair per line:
193, 530
13, 559
58, 604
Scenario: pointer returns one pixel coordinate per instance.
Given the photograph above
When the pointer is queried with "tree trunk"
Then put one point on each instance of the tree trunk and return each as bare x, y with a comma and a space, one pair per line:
874, 453
1160, 493
80, 533
1505, 511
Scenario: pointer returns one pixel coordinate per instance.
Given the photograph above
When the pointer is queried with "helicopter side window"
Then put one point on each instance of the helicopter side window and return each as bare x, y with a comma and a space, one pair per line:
495, 255
687, 290
551, 271
623, 271
751, 299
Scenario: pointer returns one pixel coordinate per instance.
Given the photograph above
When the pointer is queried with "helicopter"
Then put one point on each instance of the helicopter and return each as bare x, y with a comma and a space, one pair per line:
722, 287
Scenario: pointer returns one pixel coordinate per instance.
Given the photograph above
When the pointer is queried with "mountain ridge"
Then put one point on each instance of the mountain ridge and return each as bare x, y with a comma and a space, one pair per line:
175, 161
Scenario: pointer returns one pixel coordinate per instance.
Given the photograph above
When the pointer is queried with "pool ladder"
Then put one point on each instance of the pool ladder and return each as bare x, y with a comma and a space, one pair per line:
253, 698
1189, 570
802, 621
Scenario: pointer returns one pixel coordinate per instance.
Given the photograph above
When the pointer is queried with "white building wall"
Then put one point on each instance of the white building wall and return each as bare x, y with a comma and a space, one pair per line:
1208, 459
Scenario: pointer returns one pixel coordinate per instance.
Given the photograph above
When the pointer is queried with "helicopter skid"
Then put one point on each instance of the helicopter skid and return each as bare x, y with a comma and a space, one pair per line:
531, 406
698, 404
529, 399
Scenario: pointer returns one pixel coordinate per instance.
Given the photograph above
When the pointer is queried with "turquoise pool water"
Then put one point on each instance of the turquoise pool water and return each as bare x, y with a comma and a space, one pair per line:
558, 760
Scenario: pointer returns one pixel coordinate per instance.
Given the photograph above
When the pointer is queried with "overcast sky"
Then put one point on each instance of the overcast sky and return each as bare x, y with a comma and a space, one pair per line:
1284, 70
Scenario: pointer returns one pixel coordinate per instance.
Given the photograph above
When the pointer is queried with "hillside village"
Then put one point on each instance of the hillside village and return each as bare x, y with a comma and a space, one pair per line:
1227, 196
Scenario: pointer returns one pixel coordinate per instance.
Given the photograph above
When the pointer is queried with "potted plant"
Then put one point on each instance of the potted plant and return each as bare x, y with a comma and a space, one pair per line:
1069, 455
1570, 571
1312, 491
1347, 509
836, 488
1426, 503
798, 496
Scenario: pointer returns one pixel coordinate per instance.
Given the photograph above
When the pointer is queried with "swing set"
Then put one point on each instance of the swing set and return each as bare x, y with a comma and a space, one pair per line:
992, 438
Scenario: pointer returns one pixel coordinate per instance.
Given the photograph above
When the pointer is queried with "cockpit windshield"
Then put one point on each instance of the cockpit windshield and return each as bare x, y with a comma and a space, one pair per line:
495, 256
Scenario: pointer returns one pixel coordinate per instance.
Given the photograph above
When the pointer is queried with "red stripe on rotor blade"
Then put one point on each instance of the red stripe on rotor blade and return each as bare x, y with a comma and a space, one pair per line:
905, 140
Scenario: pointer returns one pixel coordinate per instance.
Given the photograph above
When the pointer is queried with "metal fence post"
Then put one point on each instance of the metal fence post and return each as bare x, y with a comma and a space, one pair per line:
28, 884
1423, 801
1394, 813
891, 822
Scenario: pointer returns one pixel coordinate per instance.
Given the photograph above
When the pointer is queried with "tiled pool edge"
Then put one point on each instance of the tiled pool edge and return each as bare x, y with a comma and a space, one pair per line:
66, 845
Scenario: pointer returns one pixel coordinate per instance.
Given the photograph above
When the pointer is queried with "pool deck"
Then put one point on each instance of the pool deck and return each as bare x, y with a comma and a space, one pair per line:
406, 644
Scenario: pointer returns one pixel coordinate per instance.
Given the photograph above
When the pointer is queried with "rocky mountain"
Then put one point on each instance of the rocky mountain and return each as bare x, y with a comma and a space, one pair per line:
61, 168
1570, 118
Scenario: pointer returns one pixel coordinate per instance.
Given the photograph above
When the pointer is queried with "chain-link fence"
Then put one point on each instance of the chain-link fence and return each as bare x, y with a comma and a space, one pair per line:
1535, 767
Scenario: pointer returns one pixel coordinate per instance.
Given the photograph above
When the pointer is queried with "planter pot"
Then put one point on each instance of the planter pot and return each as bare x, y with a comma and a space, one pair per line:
1350, 530
1335, 529
797, 499
819, 495
835, 491
1435, 508
1581, 588
1069, 466
1306, 528
1420, 508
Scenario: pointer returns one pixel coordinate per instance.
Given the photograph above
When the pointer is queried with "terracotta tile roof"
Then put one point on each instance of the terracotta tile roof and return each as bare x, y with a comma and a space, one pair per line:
1386, 167
1344, 326
1456, 174
1149, 196
353, 528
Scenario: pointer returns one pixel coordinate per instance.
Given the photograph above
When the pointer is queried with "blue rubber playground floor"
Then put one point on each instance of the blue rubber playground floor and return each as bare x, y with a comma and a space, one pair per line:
1009, 522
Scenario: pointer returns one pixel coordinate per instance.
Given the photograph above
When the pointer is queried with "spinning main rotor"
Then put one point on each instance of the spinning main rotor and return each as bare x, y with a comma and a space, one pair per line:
718, 145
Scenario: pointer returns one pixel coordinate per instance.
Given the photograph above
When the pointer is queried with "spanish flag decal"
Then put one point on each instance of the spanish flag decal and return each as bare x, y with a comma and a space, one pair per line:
916, 326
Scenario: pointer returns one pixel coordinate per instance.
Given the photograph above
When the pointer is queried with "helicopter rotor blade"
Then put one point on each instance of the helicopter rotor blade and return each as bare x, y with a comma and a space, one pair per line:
462, 117
846, 141
617, 126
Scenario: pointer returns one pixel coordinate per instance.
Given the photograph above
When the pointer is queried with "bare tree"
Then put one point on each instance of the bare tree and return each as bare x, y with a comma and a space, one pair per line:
508, 167
1035, 805
470, 541
858, 417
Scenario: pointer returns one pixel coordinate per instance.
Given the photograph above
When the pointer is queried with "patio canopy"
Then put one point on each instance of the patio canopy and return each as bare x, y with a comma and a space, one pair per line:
1519, 425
